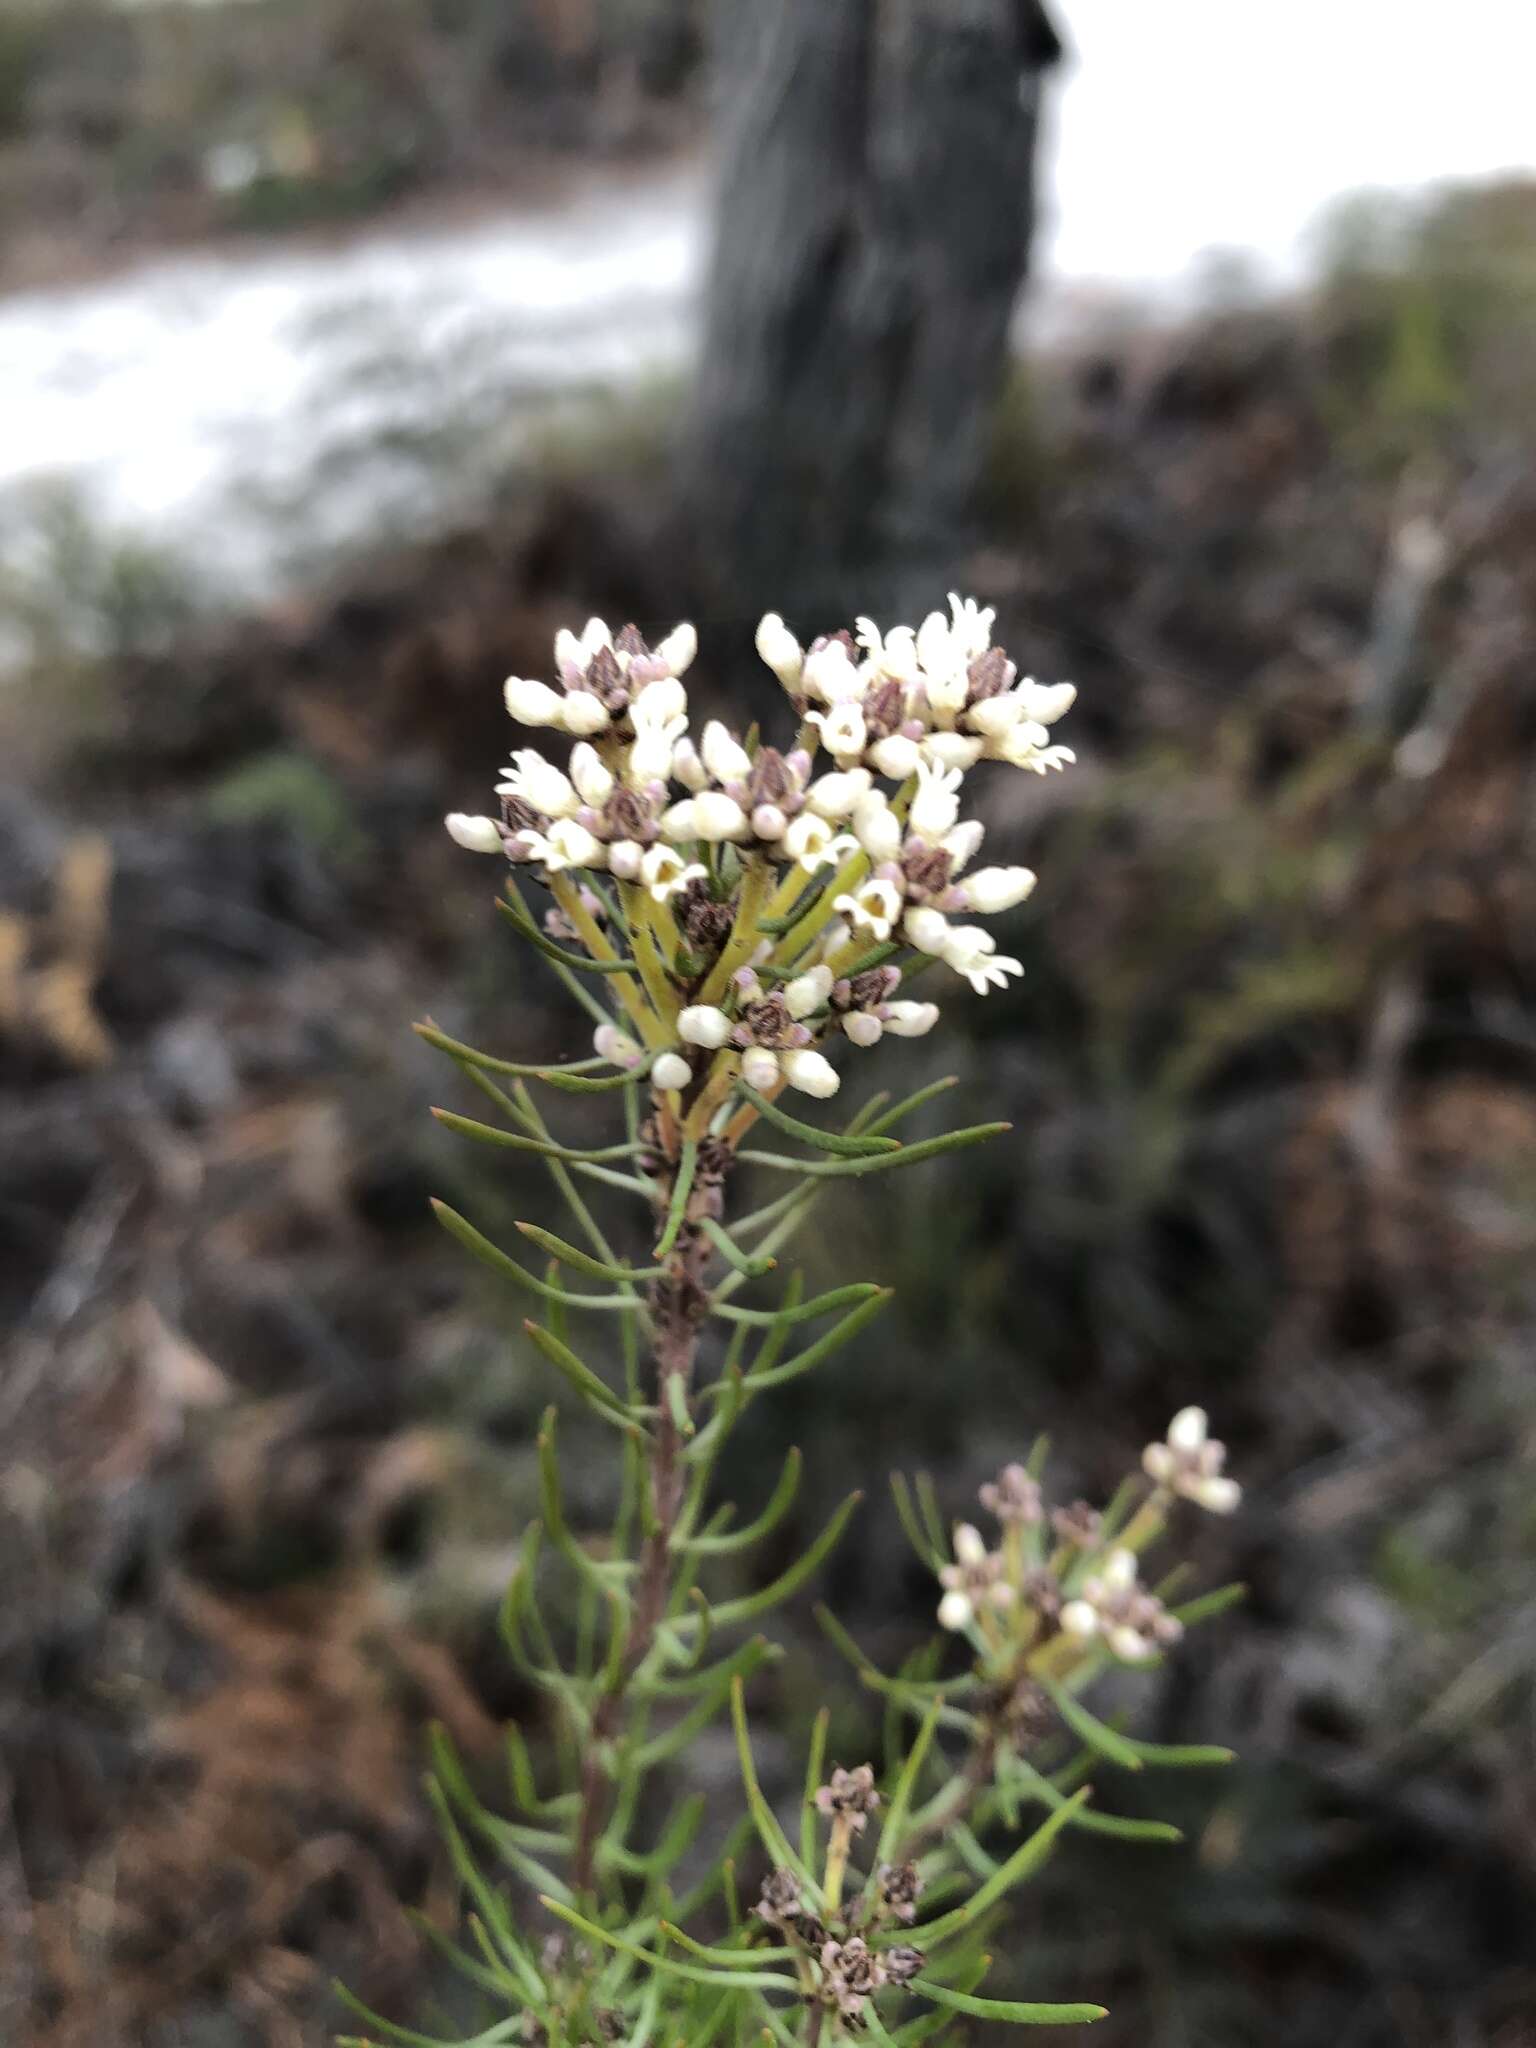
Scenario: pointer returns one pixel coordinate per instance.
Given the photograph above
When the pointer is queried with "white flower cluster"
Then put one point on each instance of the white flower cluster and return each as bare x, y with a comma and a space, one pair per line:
840, 865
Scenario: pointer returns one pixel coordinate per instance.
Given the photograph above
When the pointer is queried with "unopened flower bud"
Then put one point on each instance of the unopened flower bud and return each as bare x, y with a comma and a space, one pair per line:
807, 992
725, 757
475, 835
584, 713
702, 1024
687, 768
896, 756
877, 827
993, 889
927, 929
624, 858
863, 1027
592, 779
679, 648
718, 816
779, 648
533, 703
769, 822
910, 1020
810, 1072
671, 1071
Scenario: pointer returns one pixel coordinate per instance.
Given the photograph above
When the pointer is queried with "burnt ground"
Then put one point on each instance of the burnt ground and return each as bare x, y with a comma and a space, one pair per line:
1272, 1075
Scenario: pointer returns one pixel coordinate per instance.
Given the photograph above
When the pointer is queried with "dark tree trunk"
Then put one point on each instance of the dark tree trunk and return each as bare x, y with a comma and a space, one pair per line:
873, 229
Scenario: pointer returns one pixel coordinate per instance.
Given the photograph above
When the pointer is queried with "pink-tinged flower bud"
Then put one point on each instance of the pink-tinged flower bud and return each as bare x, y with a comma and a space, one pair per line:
702, 1024
769, 822
475, 835
671, 1071
624, 858
779, 648
863, 1027
759, 1067
616, 1046
811, 1072
533, 703
584, 713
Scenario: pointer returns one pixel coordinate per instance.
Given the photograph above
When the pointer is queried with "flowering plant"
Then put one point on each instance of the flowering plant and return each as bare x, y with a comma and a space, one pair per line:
746, 912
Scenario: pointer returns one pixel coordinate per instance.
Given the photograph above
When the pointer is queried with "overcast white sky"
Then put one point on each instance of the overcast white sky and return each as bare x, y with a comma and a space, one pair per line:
1187, 124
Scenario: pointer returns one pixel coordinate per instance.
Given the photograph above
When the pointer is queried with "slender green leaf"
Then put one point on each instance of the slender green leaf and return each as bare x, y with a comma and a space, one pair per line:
514, 1141
822, 1349
682, 1188
1023, 1863
770, 1834
583, 1262
594, 1391
757, 1979
1090, 1729
728, 1612
744, 1263
1010, 2009
743, 1538
524, 924
1210, 1604
837, 1142
806, 1311
472, 1056
905, 1155
910, 1105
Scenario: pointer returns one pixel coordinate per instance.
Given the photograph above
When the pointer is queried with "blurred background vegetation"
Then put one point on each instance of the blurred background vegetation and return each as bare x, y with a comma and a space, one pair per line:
1272, 1075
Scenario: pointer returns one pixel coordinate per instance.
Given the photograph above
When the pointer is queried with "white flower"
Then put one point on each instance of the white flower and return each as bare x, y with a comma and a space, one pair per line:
896, 756
972, 951
811, 841
671, 1071
679, 648
584, 714
661, 705
681, 820
808, 991
702, 1024
964, 843
1046, 702
893, 654
569, 652
971, 632
935, 651
475, 835
842, 730
863, 1027
910, 1020
877, 827
664, 872
876, 904
624, 858
538, 782
725, 758
1027, 745
831, 675
1190, 1463
565, 845
759, 1067
993, 889
769, 822
616, 1046
594, 634
936, 804
594, 781
929, 930
838, 795
687, 768
811, 1072
779, 648
717, 816
532, 703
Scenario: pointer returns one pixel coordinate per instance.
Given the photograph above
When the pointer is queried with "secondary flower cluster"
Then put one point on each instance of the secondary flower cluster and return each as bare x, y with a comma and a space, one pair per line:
769, 889
1062, 1582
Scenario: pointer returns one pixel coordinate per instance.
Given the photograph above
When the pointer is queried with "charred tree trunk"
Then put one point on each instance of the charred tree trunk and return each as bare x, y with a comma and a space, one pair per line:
873, 229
